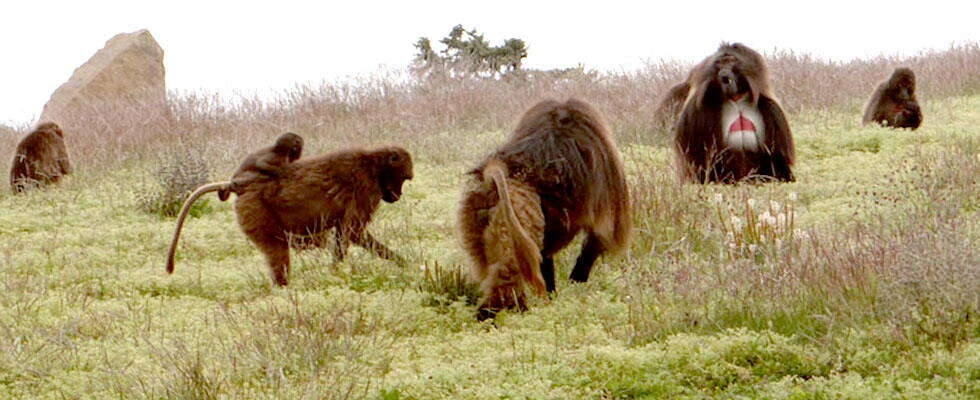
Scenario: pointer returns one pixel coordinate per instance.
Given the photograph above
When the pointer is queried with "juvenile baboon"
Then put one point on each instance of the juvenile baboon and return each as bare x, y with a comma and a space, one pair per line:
41, 158
893, 102
508, 237
338, 190
563, 152
267, 161
731, 127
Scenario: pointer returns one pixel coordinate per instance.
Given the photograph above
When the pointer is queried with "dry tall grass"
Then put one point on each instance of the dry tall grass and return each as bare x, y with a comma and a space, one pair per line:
426, 114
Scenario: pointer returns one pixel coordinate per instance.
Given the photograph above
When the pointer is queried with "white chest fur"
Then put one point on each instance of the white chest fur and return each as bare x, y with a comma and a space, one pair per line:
744, 127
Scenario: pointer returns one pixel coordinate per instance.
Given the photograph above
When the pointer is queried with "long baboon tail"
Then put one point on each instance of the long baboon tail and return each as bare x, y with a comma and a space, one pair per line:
527, 251
210, 187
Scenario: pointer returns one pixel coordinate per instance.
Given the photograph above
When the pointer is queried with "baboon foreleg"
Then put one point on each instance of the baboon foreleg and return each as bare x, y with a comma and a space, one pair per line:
369, 242
591, 250
364, 239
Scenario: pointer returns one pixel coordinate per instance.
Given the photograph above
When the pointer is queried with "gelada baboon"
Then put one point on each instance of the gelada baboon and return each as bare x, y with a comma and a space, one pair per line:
893, 102
267, 161
731, 127
336, 190
563, 152
506, 241
41, 159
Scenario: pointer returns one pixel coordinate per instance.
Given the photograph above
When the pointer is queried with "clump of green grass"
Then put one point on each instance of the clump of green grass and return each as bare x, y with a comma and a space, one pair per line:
177, 175
192, 376
444, 285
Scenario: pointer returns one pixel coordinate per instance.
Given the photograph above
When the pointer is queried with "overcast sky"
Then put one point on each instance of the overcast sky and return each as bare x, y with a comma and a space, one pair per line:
242, 46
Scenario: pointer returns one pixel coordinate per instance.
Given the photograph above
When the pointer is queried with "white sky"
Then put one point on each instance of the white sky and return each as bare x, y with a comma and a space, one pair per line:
246, 46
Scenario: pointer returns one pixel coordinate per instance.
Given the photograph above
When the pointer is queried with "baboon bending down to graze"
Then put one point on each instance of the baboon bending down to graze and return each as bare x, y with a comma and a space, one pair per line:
562, 153
893, 102
732, 128
338, 190
508, 241
269, 161
41, 158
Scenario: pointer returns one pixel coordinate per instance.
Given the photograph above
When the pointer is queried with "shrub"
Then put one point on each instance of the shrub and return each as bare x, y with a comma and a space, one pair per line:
178, 173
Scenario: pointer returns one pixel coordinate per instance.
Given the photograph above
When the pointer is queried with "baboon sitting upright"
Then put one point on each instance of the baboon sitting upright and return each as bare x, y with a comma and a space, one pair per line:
41, 159
893, 102
732, 128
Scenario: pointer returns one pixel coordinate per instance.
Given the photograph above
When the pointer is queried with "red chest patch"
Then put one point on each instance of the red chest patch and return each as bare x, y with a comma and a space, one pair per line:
741, 124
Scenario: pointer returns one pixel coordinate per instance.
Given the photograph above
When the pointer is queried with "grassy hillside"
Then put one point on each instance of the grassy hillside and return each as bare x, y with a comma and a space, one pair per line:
858, 281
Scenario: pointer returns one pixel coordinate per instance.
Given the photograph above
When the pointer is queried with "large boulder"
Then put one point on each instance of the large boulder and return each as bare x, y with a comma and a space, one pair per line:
126, 76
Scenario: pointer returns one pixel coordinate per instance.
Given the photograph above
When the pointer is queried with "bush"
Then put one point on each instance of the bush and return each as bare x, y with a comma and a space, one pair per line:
177, 174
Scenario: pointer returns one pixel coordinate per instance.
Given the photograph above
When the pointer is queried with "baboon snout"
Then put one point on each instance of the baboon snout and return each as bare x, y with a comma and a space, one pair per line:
729, 83
391, 195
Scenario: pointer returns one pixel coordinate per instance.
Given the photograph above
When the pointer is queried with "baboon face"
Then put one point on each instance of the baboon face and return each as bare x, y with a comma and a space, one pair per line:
902, 85
396, 170
289, 145
295, 152
730, 78
734, 70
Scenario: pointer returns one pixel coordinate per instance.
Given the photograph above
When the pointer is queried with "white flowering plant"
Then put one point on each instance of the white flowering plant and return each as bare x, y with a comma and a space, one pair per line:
750, 226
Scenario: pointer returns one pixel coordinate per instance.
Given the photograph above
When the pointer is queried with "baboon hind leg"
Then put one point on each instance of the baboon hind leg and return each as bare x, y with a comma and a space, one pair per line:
262, 227
591, 250
277, 253
548, 272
